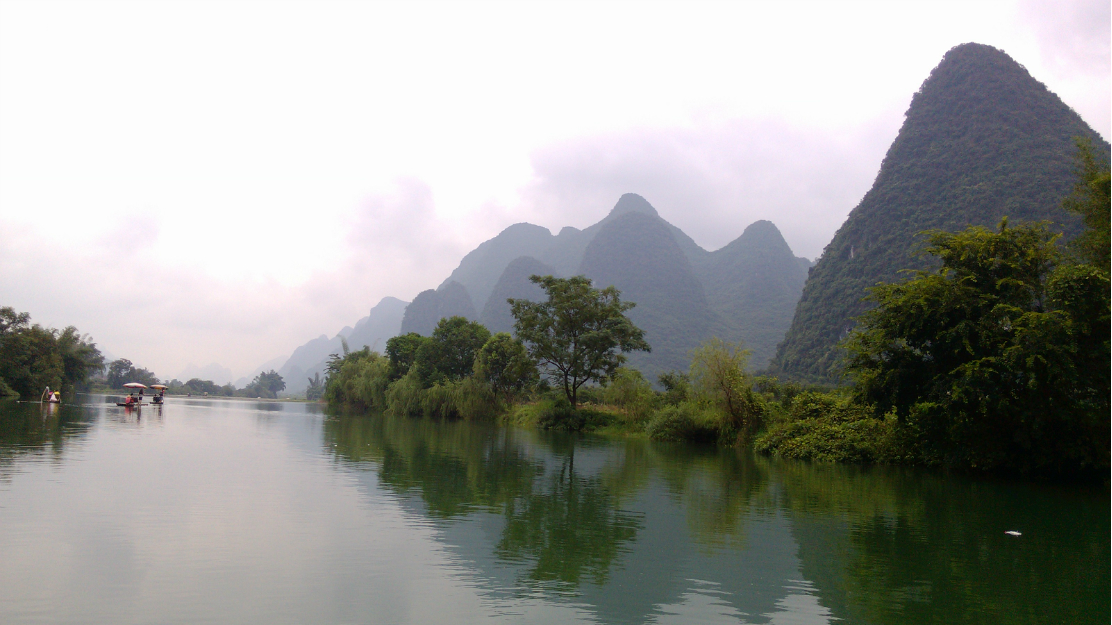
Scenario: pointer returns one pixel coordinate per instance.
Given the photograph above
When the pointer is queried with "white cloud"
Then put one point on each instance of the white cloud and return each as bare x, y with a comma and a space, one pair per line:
222, 181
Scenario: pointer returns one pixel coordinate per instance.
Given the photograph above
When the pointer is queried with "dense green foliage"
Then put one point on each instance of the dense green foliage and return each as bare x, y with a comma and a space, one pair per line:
122, 371
449, 354
505, 364
1090, 199
266, 385
33, 357
982, 140
578, 334
433, 375
830, 427
402, 352
996, 360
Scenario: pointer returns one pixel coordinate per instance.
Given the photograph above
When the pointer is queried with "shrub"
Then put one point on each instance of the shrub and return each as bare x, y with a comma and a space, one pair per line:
474, 399
684, 422
631, 392
827, 440
557, 414
403, 396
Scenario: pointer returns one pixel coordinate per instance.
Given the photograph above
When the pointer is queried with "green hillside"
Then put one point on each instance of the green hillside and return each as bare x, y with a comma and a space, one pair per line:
753, 284
982, 139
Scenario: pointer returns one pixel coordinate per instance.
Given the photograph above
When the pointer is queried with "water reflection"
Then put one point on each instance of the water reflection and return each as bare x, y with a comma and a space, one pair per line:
239, 510
28, 429
911, 545
758, 539
632, 532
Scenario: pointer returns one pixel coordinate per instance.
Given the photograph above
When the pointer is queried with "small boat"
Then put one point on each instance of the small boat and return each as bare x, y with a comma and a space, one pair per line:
135, 401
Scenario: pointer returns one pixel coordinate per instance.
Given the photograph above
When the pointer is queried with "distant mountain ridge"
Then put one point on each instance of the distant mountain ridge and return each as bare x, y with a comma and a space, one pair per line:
982, 139
744, 292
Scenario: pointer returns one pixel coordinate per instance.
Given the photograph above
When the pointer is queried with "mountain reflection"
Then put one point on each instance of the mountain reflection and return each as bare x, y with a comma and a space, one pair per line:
591, 519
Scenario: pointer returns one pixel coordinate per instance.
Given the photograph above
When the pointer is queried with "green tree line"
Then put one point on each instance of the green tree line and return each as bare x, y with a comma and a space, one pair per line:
33, 358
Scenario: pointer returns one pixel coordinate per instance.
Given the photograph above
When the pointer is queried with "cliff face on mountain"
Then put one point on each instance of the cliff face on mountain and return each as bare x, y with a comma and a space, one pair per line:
982, 140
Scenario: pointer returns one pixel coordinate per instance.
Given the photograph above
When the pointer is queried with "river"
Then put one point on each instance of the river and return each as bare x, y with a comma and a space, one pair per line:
232, 511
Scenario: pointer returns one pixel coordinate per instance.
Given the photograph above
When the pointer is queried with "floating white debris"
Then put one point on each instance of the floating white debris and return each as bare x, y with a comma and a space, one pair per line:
1013, 533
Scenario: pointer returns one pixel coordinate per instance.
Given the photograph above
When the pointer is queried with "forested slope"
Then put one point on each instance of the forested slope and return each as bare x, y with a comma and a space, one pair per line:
982, 139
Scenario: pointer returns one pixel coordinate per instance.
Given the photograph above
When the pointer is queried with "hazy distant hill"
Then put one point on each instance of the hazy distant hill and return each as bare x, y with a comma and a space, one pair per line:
513, 283
637, 253
382, 323
753, 284
481, 268
744, 292
429, 307
982, 139
684, 294
213, 371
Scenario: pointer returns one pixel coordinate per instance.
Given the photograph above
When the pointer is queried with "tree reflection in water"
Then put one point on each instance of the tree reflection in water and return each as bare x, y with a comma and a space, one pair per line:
873, 545
30, 429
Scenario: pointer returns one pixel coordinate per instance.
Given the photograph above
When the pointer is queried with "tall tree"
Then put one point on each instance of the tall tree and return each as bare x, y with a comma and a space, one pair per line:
449, 354
1091, 200
401, 350
505, 365
268, 384
579, 333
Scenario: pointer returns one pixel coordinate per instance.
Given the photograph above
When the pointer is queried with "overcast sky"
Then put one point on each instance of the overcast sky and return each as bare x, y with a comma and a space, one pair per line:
222, 181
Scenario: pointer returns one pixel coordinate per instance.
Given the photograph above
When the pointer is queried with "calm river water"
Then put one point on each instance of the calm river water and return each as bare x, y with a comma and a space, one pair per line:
211, 511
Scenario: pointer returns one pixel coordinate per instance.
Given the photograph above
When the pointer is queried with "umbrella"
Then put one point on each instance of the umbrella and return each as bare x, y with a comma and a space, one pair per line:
159, 386
134, 385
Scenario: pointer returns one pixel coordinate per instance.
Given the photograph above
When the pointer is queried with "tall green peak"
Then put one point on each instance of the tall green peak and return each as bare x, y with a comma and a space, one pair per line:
638, 253
753, 284
982, 139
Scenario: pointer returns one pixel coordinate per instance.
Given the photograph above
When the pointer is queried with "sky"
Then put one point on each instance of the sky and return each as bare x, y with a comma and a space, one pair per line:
219, 182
